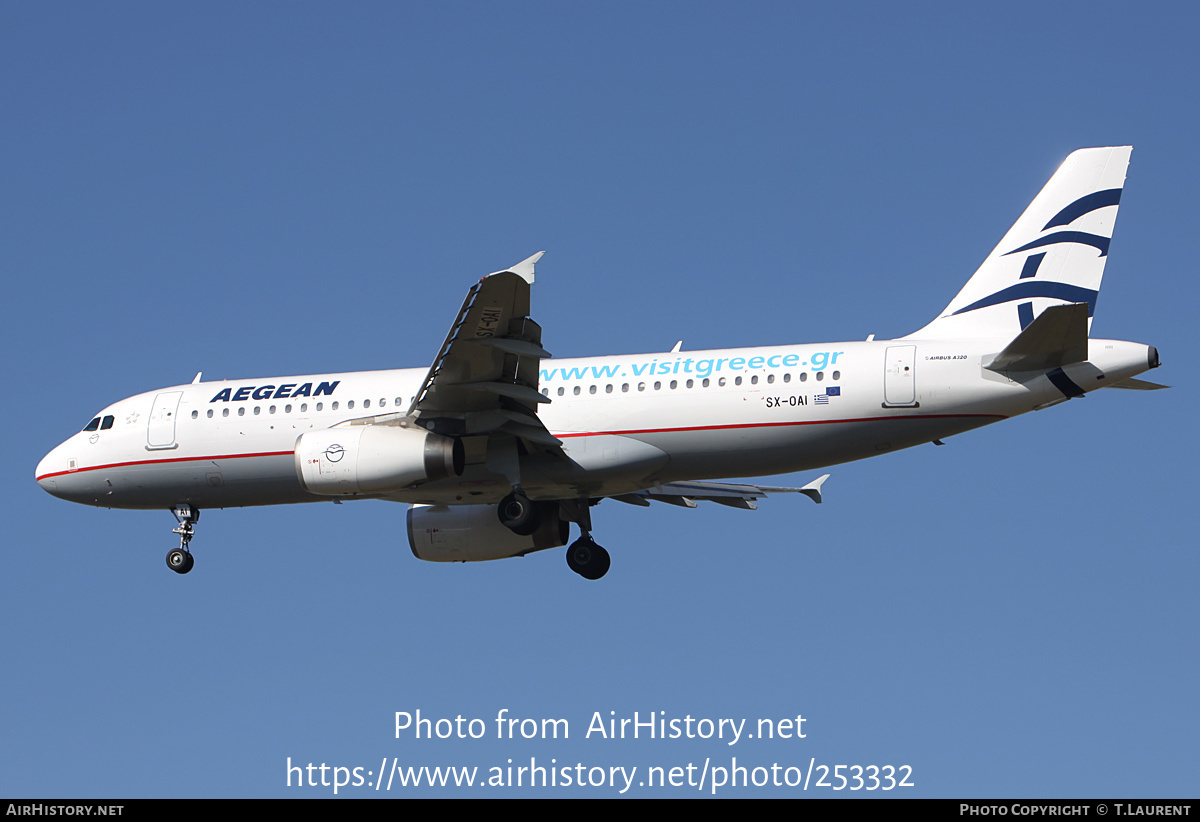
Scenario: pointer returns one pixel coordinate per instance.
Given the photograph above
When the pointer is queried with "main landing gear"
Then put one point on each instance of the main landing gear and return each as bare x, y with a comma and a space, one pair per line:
522, 516
587, 559
180, 559
518, 513
584, 556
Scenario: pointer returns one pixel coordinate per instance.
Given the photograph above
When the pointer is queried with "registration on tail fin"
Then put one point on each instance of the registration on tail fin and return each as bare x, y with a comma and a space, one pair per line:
1053, 255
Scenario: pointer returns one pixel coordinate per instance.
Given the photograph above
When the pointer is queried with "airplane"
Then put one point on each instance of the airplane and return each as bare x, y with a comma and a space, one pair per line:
498, 448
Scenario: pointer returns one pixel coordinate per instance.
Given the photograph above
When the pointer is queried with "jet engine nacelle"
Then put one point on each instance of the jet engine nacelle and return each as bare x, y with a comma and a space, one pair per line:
471, 533
374, 459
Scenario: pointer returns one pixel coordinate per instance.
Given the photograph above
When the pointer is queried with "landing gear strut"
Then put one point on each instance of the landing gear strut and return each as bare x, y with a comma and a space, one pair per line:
522, 516
584, 556
180, 559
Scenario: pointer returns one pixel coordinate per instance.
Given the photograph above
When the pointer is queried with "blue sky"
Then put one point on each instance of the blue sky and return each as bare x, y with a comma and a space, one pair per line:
295, 188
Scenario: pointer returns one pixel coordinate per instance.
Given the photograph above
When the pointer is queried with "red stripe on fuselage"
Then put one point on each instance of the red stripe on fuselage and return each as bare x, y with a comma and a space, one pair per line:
560, 436
164, 461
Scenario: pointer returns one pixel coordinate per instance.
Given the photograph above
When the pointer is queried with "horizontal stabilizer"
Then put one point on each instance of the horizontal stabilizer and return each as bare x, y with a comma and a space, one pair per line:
1057, 337
1136, 385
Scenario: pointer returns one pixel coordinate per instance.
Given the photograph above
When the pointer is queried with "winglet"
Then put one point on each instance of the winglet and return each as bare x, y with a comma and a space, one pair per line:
524, 269
813, 489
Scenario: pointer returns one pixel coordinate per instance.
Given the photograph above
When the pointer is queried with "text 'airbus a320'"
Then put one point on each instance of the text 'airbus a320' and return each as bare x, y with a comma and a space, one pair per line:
498, 448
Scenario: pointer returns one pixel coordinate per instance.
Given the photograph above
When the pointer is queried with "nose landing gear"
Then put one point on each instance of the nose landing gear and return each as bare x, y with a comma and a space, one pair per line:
180, 559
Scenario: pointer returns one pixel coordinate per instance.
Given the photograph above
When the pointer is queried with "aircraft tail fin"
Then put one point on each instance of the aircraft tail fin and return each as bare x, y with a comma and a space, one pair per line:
1053, 255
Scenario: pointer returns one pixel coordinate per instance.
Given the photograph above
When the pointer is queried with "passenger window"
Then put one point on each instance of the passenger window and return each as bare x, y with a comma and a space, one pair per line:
195, 414
592, 389
804, 376
837, 375
366, 403
241, 410
349, 405
209, 413
820, 376
770, 378
224, 412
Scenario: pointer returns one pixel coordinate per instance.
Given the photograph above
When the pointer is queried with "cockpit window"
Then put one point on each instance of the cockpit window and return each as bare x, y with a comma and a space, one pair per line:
106, 423
93, 425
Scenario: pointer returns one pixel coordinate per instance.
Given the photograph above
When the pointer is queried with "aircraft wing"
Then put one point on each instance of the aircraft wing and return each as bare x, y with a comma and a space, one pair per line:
484, 379
736, 496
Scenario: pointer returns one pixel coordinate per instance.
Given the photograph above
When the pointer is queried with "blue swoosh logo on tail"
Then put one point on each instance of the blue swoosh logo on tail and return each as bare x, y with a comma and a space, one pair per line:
1038, 288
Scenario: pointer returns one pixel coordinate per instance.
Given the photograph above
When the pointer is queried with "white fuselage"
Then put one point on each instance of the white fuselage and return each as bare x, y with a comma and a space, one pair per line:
626, 422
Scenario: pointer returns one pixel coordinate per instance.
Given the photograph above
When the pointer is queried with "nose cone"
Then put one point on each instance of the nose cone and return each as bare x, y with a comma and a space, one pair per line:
48, 470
